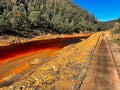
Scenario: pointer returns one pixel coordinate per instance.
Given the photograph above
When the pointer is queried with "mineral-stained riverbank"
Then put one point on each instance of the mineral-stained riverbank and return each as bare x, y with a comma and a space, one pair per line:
65, 70
6, 40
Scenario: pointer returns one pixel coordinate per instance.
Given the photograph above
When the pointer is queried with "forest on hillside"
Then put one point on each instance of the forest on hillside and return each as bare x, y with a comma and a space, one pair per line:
38, 17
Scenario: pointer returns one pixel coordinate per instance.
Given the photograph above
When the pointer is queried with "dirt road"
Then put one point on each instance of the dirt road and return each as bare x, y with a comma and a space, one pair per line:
102, 74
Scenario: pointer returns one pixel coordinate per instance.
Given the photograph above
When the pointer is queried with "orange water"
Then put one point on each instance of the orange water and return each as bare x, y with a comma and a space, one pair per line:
16, 50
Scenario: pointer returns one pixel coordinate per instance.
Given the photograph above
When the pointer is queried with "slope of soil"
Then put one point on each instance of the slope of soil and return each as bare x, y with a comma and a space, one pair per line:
65, 71
8, 39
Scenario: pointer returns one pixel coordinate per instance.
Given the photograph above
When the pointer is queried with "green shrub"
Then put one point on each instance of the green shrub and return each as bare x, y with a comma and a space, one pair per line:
117, 41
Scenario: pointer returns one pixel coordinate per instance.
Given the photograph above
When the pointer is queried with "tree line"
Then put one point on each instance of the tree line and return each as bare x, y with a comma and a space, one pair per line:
45, 16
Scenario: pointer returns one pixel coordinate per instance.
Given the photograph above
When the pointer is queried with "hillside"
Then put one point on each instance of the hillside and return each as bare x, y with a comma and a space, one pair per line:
38, 17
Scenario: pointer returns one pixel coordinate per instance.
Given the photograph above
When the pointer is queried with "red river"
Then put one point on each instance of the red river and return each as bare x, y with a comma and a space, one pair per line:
13, 58
15, 50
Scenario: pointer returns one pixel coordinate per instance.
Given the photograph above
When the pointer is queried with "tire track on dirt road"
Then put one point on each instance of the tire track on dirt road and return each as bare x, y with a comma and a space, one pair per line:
102, 74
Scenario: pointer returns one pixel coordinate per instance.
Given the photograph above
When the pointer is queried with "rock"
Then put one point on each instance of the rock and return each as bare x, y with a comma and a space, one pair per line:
36, 61
49, 79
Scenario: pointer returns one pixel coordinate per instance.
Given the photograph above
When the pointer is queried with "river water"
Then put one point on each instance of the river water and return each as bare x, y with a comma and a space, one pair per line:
16, 50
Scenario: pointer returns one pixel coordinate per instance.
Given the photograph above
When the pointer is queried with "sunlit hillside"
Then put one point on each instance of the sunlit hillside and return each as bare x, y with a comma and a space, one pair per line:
38, 17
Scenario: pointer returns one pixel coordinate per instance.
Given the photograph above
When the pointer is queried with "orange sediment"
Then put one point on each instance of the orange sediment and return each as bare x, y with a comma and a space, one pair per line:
64, 67
20, 69
44, 49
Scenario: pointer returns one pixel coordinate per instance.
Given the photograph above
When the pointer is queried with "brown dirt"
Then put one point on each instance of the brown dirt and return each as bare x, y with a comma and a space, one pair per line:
115, 48
65, 69
8, 40
102, 74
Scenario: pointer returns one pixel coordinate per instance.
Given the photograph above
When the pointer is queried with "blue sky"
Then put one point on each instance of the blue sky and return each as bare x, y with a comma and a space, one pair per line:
104, 10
